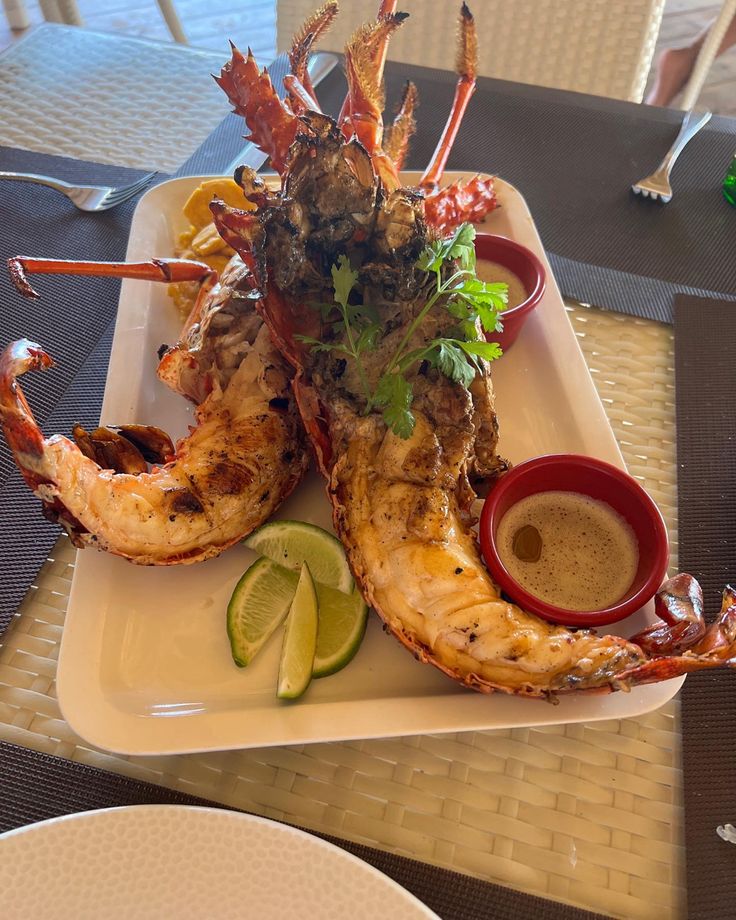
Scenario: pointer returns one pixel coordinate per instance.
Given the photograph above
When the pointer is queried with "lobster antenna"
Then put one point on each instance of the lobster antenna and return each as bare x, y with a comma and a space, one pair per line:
367, 44
397, 135
310, 32
467, 65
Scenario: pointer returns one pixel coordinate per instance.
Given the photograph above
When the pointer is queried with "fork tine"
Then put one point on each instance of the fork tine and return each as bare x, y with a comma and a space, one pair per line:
119, 195
142, 182
148, 178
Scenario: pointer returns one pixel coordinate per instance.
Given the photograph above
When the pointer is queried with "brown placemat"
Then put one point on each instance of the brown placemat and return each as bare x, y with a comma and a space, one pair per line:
574, 158
705, 377
73, 320
37, 786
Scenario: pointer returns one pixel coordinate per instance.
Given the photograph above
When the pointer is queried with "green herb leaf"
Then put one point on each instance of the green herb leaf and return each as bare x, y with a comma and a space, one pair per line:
431, 258
458, 308
459, 246
453, 363
393, 389
396, 395
470, 331
368, 338
401, 421
362, 313
343, 280
316, 344
462, 246
488, 350
474, 291
324, 308
490, 320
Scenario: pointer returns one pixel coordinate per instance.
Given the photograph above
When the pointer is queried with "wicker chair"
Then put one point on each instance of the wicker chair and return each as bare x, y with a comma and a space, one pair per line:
592, 46
67, 11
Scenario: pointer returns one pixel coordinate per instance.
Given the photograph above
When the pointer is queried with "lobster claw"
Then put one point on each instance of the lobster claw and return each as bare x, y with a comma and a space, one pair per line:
717, 648
679, 606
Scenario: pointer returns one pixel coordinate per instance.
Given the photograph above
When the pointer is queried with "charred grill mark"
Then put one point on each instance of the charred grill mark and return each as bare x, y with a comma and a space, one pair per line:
229, 478
185, 502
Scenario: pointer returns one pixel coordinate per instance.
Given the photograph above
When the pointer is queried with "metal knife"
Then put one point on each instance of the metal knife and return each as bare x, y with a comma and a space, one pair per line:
319, 66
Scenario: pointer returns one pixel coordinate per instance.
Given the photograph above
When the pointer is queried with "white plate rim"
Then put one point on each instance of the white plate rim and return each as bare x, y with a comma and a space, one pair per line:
227, 815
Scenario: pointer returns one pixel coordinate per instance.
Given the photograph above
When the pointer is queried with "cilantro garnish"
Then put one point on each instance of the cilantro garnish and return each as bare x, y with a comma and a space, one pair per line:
359, 323
466, 298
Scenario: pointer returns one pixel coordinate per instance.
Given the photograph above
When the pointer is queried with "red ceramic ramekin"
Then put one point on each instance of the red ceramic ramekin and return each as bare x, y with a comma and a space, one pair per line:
526, 265
599, 480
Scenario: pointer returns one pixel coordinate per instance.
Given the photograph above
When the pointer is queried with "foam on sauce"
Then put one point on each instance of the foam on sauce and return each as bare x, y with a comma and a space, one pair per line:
589, 553
490, 271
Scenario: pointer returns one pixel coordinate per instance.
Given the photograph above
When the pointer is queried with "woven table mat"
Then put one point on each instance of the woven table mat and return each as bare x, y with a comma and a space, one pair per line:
38, 787
72, 81
705, 338
587, 814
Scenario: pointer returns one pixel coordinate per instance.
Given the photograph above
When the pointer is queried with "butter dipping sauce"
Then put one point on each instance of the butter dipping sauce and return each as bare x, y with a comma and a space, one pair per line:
574, 539
578, 554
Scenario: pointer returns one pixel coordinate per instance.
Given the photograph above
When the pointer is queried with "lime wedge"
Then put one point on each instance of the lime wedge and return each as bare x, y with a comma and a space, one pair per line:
259, 605
300, 640
342, 621
291, 543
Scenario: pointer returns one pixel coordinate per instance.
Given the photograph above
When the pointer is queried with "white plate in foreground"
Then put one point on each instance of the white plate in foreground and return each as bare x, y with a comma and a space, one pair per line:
145, 663
155, 862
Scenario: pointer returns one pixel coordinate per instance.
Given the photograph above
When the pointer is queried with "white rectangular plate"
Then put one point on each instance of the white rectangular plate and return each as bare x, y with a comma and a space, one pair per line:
145, 663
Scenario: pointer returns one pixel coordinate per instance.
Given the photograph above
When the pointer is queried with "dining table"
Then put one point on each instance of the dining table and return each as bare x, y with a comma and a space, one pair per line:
568, 820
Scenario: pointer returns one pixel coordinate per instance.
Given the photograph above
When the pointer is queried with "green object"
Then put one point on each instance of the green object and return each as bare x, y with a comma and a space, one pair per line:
260, 603
326, 621
342, 621
291, 543
729, 183
300, 640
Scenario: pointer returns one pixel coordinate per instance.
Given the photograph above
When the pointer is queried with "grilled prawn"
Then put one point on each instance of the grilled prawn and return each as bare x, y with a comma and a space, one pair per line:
402, 493
244, 455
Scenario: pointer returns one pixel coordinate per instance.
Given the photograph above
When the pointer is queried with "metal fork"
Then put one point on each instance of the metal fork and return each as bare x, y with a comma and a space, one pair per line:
657, 186
86, 197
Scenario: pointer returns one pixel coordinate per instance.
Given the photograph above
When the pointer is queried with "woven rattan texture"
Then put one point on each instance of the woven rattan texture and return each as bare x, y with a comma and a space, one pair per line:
38, 787
592, 46
589, 814
57, 69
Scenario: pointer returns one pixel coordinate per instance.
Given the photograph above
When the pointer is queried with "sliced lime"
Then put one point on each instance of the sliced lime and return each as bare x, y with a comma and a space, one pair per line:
291, 543
300, 640
342, 620
259, 605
